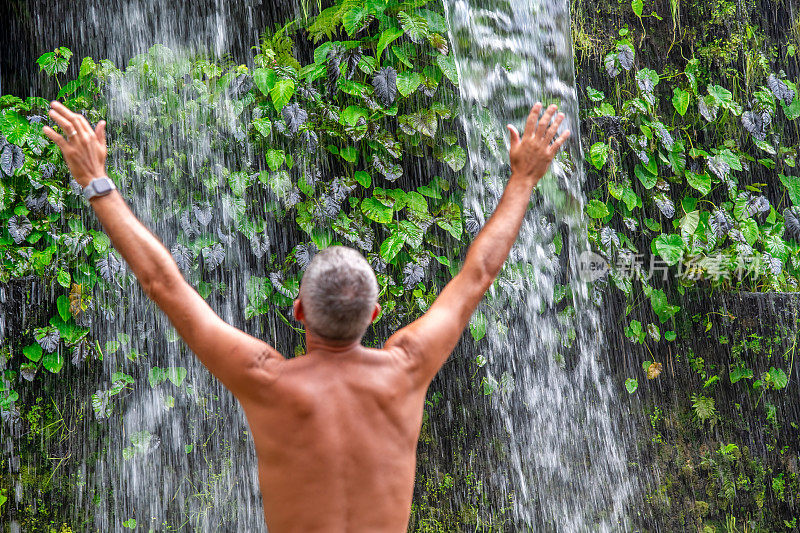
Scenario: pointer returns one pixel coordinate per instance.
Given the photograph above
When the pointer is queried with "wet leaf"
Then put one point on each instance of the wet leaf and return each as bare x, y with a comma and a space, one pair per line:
631, 385
183, 256
669, 247
385, 83
412, 274
47, 338
414, 26
101, 403
448, 66
281, 93
19, 227
779, 88
387, 37
390, 170
53, 362
213, 255
598, 154
625, 56
294, 116
680, 100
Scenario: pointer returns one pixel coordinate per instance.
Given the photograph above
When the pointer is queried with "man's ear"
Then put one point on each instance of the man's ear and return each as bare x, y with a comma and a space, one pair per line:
376, 312
299, 312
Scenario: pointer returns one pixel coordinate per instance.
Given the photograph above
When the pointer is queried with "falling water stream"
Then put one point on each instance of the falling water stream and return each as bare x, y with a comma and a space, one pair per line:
183, 456
567, 449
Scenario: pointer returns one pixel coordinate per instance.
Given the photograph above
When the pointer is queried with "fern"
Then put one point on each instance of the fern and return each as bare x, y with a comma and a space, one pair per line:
704, 408
278, 45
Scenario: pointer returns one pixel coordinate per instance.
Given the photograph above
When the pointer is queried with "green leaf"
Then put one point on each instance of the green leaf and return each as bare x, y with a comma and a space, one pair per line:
176, 375
64, 279
264, 79
750, 231
660, 305
387, 37
598, 154
363, 178
349, 154
669, 247
392, 246
415, 26
689, 223
263, 126
352, 114
411, 233
792, 184
450, 220
282, 93
88, 67
646, 177
130, 523
631, 385
597, 209
448, 65
700, 182
375, 210
62, 303
53, 362
635, 332
156, 376
670, 335
680, 100
275, 158
638, 7
477, 326
740, 373
408, 82
33, 352
595, 95
778, 378
100, 241
630, 198
455, 157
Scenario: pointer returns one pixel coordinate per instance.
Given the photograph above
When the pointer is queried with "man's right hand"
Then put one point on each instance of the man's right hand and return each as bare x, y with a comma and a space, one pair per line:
532, 153
428, 341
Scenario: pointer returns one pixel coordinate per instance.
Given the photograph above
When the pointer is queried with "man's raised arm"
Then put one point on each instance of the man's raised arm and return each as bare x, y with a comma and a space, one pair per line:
429, 341
239, 361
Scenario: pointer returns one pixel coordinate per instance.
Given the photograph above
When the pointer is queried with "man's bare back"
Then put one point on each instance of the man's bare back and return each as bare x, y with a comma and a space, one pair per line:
335, 430
336, 435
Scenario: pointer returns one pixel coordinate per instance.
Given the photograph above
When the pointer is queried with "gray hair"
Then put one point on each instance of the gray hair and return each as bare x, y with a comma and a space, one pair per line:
339, 292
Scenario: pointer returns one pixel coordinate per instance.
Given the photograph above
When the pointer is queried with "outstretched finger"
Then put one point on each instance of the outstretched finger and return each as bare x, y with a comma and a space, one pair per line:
100, 133
65, 125
556, 146
55, 137
514, 134
544, 122
79, 122
533, 117
553, 129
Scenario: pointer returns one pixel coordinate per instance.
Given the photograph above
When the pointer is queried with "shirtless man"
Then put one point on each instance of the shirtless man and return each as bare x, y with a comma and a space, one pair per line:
336, 430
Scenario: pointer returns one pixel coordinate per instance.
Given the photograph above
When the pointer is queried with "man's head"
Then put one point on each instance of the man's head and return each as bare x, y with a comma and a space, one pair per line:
338, 295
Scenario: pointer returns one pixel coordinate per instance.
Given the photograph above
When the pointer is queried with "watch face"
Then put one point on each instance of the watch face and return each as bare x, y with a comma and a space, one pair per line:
103, 187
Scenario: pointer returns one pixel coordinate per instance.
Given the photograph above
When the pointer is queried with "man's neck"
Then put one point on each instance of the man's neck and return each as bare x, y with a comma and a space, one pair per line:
315, 343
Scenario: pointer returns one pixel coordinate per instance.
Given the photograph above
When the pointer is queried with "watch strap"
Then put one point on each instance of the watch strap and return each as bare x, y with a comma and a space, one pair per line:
98, 187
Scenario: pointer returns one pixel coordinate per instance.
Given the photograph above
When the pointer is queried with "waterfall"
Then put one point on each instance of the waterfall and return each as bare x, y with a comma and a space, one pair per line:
555, 402
178, 453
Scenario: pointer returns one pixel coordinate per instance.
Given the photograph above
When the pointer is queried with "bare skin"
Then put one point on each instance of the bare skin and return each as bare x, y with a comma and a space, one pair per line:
336, 430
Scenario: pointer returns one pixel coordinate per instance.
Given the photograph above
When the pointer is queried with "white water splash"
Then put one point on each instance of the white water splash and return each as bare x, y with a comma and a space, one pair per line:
558, 410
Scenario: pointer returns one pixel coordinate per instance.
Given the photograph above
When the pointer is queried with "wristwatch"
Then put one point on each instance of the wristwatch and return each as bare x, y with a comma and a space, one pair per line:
98, 187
